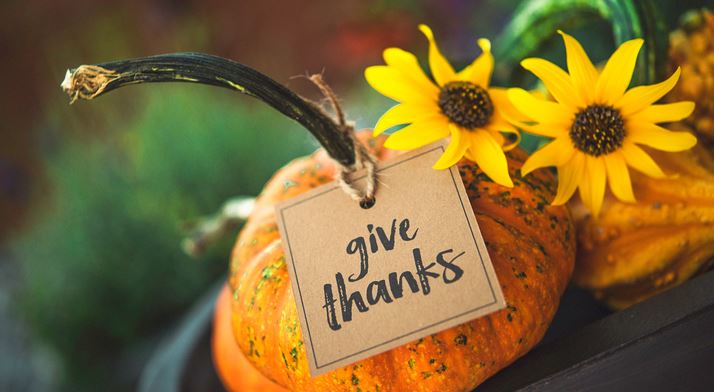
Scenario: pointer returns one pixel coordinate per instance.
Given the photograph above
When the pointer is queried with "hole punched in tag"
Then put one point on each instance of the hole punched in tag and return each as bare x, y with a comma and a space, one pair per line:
367, 203
363, 158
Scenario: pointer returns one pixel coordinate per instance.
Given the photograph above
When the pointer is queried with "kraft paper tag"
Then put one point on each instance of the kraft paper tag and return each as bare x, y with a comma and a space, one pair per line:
368, 280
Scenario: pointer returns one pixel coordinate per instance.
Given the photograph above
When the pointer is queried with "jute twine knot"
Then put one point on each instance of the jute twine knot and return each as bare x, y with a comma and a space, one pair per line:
363, 158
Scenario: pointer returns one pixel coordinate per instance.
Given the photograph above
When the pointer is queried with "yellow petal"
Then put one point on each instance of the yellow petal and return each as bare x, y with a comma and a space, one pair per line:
396, 115
555, 153
497, 127
503, 109
479, 72
617, 74
667, 112
640, 97
404, 113
455, 151
497, 136
555, 80
640, 160
418, 134
540, 110
490, 157
409, 66
657, 137
547, 130
581, 69
390, 82
440, 67
619, 177
592, 187
500, 125
568, 177
584, 185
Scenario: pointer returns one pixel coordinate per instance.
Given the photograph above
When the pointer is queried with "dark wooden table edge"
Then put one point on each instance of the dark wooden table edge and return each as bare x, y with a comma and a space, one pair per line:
606, 355
641, 328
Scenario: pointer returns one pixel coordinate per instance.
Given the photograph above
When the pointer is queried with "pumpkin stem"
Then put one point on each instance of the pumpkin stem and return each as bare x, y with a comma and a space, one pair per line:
90, 81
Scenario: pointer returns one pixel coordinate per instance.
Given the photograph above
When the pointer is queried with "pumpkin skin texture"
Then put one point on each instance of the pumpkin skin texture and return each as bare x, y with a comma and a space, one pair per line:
636, 250
532, 247
228, 357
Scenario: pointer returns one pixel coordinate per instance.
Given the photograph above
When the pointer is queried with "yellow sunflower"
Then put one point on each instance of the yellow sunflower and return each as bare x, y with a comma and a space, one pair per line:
597, 123
462, 105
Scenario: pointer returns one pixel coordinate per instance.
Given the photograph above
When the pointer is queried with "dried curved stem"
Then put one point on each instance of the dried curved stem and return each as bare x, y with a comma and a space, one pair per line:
90, 81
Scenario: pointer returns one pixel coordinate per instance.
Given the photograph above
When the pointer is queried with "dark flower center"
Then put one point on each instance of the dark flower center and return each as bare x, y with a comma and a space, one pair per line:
598, 130
466, 104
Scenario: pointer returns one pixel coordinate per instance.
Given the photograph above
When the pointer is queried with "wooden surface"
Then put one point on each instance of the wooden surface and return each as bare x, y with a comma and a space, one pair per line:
663, 344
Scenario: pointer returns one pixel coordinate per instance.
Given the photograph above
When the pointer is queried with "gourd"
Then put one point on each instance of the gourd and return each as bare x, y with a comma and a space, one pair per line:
531, 244
634, 251
691, 47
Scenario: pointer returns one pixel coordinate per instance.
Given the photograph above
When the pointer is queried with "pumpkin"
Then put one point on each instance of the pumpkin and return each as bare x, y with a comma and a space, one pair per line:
531, 244
636, 250
228, 357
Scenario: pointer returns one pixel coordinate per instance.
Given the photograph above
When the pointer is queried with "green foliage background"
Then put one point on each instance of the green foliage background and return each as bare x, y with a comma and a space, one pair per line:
103, 266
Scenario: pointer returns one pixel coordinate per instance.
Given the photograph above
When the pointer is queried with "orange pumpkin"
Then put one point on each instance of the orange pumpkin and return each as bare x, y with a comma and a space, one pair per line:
531, 244
227, 356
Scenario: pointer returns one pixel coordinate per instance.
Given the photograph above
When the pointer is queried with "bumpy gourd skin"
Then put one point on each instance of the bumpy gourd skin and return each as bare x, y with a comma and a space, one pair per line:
531, 244
636, 250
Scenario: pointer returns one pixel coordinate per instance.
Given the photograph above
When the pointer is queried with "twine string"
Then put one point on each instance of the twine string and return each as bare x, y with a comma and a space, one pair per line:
363, 158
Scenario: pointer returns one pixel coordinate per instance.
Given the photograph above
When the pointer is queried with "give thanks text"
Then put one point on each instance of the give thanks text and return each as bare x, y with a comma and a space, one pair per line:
428, 269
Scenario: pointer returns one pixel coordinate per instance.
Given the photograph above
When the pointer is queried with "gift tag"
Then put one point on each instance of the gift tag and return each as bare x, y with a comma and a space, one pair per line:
368, 280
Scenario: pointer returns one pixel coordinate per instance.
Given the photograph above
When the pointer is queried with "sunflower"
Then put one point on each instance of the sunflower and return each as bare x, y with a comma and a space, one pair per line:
462, 105
597, 123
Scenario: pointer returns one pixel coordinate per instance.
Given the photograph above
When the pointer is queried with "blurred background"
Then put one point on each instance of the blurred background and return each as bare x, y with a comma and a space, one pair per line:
95, 197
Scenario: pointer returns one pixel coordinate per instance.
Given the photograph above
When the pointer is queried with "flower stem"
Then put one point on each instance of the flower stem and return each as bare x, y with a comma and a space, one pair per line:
90, 81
